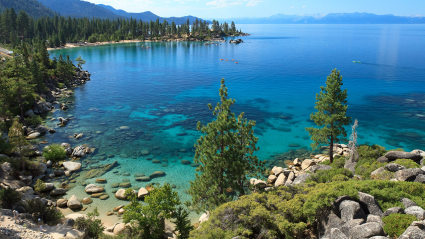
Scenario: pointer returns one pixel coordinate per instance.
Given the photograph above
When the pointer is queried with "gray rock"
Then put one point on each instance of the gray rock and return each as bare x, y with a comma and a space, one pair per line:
366, 230
371, 204
73, 203
408, 174
277, 170
420, 178
319, 167
393, 210
42, 107
413, 232
301, 179
350, 210
142, 193
120, 194
62, 203
393, 167
383, 159
290, 178
408, 203
57, 192
337, 234
350, 224
394, 155
281, 179
93, 188
71, 166
379, 237
374, 218
375, 174
327, 222
33, 135
415, 211
79, 151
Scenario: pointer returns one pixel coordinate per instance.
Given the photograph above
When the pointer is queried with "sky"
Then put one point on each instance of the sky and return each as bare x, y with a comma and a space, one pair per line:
263, 8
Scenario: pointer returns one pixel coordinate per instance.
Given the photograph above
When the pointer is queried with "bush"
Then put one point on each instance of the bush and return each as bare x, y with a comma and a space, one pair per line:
395, 224
408, 163
293, 212
33, 121
5, 147
38, 209
183, 225
54, 152
39, 186
334, 174
367, 160
92, 227
8, 198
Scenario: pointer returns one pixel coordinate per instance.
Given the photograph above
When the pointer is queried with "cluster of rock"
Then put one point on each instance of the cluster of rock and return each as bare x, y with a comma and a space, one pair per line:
236, 41
358, 219
296, 173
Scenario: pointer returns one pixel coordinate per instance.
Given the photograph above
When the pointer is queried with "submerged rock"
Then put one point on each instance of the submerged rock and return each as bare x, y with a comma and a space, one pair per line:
157, 174
71, 166
97, 172
93, 188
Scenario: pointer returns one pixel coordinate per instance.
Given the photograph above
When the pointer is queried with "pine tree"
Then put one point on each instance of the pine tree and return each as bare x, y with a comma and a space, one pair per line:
331, 115
225, 154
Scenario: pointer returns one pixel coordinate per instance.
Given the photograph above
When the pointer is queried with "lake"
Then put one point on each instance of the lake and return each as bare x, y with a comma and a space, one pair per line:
158, 92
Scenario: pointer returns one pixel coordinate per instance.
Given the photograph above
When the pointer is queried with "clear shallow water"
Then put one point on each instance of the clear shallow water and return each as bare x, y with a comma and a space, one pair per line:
161, 92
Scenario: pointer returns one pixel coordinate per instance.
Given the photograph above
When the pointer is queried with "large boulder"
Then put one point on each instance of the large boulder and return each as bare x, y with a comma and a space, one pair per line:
366, 230
119, 228
370, 203
142, 193
42, 107
73, 203
93, 188
413, 232
327, 222
319, 167
394, 155
307, 163
393, 167
80, 151
408, 203
120, 194
393, 210
350, 210
62, 203
281, 179
337, 234
408, 174
33, 135
301, 179
415, 211
71, 166
277, 170
57, 192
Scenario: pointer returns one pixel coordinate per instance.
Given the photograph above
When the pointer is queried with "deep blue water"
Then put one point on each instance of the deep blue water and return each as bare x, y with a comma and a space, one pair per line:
162, 91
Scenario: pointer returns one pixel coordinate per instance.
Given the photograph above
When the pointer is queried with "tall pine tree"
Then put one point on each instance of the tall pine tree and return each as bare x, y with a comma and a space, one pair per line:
331, 115
225, 154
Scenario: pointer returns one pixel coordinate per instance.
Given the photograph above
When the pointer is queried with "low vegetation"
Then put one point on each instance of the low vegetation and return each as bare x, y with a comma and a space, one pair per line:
294, 212
395, 224
8, 198
54, 153
91, 226
39, 210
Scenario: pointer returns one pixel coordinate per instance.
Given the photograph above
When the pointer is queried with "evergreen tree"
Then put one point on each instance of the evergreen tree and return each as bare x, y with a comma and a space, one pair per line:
225, 154
331, 115
17, 137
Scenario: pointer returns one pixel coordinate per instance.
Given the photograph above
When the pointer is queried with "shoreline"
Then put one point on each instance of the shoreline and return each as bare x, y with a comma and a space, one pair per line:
87, 44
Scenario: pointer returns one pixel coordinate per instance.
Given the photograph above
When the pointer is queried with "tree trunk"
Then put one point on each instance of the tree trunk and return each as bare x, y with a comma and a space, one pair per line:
331, 150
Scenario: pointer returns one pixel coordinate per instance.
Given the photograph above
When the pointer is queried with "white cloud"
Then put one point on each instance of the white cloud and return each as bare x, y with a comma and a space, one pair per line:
228, 3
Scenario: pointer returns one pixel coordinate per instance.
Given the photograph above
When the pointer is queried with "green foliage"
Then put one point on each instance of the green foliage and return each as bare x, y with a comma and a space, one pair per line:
39, 186
17, 137
334, 174
225, 154
183, 224
92, 226
148, 220
38, 209
395, 224
8, 198
5, 147
367, 160
33, 121
54, 152
331, 115
293, 212
408, 163
80, 62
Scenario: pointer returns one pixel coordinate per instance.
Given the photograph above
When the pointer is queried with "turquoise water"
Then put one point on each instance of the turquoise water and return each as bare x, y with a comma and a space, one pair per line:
162, 91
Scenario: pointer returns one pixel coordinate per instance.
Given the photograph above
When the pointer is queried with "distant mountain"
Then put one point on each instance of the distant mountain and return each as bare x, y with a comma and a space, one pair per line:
149, 16
32, 7
77, 8
334, 18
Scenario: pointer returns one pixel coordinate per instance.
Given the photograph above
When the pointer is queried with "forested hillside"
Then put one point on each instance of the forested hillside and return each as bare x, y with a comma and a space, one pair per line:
32, 7
77, 8
61, 30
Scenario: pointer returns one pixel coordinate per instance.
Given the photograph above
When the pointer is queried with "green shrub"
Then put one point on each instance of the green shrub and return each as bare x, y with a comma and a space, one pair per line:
385, 175
54, 152
293, 212
367, 160
408, 163
92, 227
39, 186
183, 225
33, 121
48, 214
395, 224
5, 147
328, 175
8, 198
